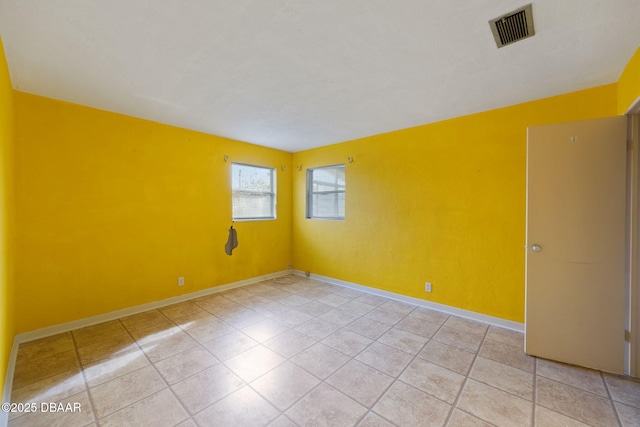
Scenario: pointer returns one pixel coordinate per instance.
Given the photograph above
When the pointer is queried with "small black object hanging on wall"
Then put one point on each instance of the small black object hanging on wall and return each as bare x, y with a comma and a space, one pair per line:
232, 241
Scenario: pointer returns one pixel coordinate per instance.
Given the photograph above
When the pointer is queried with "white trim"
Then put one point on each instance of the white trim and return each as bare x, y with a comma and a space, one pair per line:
76, 324
634, 108
8, 382
467, 314
632, 318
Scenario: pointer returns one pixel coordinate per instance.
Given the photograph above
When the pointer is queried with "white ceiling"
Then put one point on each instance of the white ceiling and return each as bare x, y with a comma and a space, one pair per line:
298, 74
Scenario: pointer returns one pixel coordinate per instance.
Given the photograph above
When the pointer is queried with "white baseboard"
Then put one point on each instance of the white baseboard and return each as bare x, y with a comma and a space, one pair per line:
467, 314
8, 382
93, 320
76, 324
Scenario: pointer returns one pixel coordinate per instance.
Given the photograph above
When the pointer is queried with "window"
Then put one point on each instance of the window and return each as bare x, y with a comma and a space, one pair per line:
254, 192
326, 192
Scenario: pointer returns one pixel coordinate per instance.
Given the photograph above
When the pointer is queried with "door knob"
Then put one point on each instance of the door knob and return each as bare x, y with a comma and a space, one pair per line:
536, 248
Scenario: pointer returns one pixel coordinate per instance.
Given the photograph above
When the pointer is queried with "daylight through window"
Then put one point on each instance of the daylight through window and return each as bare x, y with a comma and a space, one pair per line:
254, 192
326, 192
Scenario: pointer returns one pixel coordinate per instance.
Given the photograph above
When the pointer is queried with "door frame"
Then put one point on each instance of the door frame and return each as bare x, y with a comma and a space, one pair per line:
632, 315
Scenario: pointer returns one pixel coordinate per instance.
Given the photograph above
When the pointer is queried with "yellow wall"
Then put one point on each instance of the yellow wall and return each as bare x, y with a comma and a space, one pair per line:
629, 84
6, 217
111, 210
444, 203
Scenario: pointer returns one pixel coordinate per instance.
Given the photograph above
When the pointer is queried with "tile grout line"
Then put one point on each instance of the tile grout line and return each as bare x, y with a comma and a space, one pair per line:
248, 384
323, 381
84, 378
9, 417
120, 376
221, 362
397, 378
370, 410
139, 347
384, 392
87, 388
579, 389
186, 411
506, 366
137, 344
535, 392
288, 360
615, 408
341, 327
454, 406
42, 358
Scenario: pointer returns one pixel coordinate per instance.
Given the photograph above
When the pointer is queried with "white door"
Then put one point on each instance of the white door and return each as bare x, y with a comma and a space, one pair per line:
575, 254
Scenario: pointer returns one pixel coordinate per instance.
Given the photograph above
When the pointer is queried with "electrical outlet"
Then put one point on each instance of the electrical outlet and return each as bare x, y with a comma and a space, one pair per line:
427, 286
180, 281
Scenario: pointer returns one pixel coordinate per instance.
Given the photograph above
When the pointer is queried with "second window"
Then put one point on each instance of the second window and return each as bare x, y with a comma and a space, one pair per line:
326, 192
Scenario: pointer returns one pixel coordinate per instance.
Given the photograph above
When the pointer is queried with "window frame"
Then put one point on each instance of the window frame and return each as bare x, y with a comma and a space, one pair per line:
272, 193
311, 193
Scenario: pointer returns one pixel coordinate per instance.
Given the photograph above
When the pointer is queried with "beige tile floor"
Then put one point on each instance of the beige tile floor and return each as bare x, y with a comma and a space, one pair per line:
297, 352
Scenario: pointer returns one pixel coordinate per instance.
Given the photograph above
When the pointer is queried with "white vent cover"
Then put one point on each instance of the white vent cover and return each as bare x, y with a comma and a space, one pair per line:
513, 26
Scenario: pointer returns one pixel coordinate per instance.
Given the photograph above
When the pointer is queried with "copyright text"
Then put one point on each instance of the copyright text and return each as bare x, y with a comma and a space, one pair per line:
42, 407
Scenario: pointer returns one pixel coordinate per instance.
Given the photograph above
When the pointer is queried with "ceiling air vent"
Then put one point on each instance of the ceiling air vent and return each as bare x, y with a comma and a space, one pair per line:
513, 26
